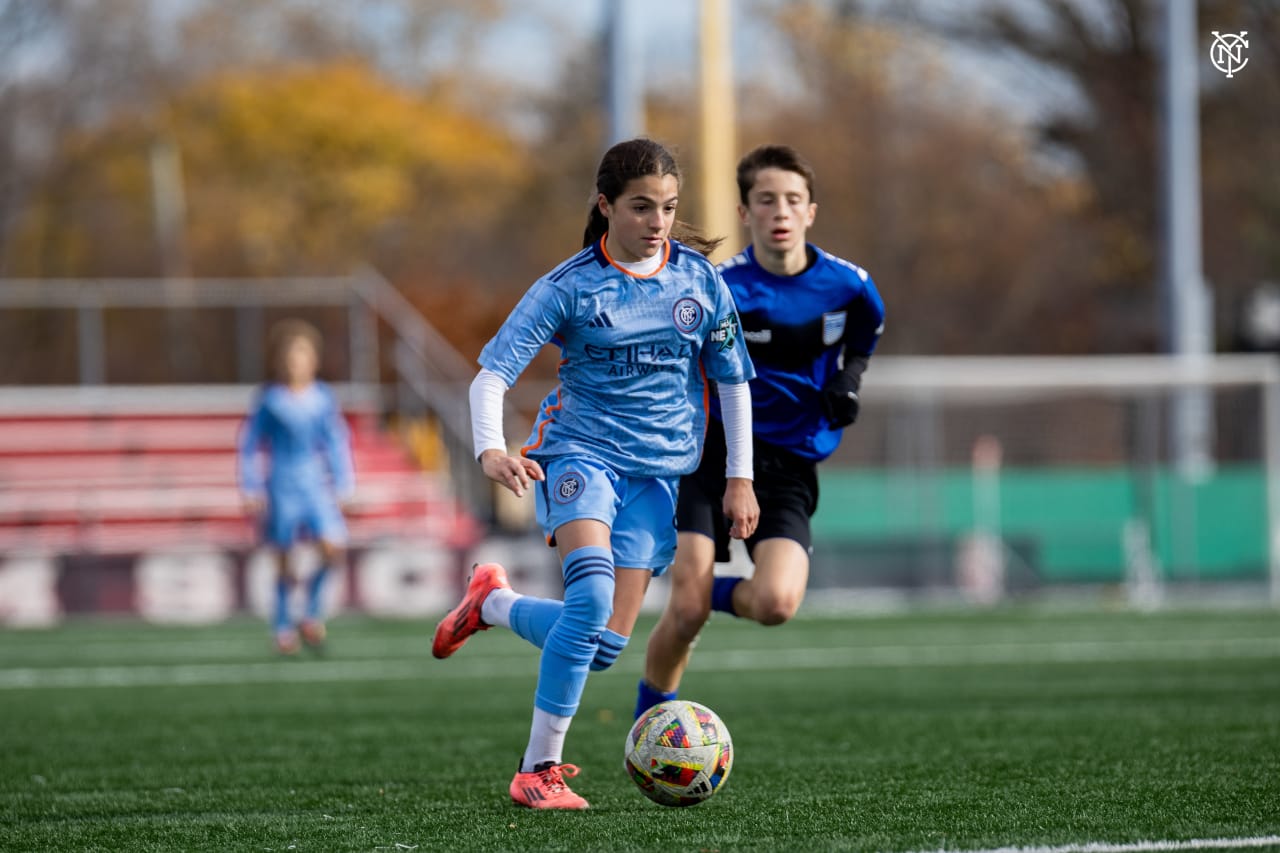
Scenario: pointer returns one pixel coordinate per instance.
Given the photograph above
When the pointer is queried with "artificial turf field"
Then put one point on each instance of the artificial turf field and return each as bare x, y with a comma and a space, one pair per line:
925, 731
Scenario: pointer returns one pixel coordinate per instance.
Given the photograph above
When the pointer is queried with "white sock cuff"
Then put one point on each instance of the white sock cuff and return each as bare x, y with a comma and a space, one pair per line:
555, 722
496, 609
546, 740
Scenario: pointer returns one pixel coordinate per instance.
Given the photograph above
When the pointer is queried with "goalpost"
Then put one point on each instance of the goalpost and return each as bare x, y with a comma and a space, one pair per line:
994, 474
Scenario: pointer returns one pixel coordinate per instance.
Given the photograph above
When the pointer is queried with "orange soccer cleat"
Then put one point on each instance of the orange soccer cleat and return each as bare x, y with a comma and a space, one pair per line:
464, 620
544, 788
286, 641
313, 633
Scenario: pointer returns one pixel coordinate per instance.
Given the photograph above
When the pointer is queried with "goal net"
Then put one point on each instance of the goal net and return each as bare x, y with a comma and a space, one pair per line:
979, 478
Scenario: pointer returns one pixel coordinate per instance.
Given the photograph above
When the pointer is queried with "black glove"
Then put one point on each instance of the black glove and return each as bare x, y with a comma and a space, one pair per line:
840, 400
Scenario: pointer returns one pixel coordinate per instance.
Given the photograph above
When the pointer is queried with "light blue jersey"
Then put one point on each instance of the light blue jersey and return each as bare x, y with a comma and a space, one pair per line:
637, 354
307, 451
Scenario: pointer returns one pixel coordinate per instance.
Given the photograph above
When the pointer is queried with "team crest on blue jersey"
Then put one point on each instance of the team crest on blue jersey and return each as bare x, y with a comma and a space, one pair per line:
833, 326
567, 487
687, 314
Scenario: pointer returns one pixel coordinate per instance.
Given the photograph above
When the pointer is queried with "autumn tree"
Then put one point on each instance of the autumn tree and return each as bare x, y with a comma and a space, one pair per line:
307, 170
69, 67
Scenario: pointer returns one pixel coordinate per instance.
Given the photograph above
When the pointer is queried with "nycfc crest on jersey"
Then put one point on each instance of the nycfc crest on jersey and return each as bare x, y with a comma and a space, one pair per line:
688, 314
567, 488
631, 388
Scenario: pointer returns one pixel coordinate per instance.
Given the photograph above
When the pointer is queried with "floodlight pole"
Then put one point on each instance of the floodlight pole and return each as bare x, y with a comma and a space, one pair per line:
624, 96
91, 338
1271, 451
719, 193
1189, 311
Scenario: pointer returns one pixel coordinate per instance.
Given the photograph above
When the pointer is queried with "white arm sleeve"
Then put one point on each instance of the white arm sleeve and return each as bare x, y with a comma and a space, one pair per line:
735, 406
487, 390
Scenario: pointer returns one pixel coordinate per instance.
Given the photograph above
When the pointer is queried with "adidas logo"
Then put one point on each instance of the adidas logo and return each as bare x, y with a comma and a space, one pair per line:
601, 321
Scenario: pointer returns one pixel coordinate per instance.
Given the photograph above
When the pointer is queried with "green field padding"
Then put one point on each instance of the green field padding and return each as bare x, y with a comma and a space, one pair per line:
1071, 522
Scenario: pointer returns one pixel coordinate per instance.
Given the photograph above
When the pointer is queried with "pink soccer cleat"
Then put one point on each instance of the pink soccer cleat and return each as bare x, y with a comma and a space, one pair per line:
464, 620
313, 633
286, 641
544, 788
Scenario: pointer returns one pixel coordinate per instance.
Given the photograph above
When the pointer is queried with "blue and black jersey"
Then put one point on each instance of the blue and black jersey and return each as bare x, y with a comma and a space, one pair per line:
799, 329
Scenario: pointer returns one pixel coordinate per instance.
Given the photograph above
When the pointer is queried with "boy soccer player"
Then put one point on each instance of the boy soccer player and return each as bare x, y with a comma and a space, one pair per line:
296, 425
812, 321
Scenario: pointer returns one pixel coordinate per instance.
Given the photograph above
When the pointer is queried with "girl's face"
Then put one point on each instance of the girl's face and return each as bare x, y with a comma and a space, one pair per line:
778, 211
299, 362
641, 217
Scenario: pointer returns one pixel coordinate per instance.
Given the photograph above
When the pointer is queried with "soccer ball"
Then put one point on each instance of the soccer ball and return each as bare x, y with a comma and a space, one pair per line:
679, 753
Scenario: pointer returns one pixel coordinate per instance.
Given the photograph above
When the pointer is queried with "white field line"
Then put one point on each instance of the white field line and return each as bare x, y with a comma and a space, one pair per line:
94, 651
521, 665
1137, 846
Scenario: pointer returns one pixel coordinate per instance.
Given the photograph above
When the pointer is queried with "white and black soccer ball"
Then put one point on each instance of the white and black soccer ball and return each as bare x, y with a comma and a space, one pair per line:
679, 753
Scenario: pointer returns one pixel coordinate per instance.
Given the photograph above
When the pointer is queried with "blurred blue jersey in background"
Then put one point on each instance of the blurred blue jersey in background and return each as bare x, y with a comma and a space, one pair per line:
295, 449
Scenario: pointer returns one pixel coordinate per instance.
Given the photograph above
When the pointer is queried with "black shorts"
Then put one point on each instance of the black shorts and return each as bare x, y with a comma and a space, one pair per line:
786, 488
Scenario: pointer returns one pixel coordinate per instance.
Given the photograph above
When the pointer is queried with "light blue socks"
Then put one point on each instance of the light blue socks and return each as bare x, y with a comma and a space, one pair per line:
315, 592
572, 641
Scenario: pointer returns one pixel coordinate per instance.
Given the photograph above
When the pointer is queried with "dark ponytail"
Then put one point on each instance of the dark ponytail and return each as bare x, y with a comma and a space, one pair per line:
624, 162
597, 225
693, 237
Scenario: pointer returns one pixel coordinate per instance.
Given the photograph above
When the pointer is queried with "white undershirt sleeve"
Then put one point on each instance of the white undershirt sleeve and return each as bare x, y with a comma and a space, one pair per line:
487, 391
735, 406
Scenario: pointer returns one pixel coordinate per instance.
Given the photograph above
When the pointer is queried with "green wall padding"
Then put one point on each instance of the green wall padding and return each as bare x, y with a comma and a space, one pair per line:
1071, 519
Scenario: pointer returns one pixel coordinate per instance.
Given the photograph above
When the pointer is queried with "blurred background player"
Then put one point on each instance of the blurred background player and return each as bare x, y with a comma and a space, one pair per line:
639, 318
295, 430
812, 321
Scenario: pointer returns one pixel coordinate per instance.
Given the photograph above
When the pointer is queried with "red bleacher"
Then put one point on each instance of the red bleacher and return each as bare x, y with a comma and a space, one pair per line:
132, 470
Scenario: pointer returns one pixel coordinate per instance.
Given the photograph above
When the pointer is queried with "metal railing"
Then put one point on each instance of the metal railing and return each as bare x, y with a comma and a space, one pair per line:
423, 375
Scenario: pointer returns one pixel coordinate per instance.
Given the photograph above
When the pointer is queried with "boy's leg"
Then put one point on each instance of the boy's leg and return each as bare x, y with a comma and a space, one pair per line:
773, 593
787, 489
671, 642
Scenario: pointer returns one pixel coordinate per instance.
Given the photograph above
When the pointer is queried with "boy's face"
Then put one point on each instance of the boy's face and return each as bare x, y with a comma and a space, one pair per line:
778, 211
299, 362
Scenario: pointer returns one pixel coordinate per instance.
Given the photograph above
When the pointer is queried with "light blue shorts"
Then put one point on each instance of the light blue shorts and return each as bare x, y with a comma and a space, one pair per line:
640, 511
295, 515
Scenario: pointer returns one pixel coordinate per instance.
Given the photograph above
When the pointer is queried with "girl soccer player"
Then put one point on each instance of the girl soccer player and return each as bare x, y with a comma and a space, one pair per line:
296, 424
812, 321
642, 321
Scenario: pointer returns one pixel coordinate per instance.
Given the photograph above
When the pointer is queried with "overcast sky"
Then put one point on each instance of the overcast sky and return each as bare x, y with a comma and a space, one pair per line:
531, 44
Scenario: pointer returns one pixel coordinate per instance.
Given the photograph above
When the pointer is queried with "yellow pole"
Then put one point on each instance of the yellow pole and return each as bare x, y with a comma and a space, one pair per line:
719, 187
